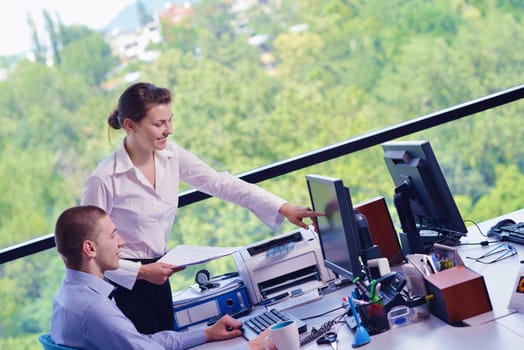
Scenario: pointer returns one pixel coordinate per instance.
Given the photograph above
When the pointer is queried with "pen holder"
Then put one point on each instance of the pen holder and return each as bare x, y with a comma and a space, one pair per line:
373, 317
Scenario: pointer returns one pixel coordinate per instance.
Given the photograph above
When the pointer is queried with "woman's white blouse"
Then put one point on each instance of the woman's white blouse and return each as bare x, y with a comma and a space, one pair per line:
144, 215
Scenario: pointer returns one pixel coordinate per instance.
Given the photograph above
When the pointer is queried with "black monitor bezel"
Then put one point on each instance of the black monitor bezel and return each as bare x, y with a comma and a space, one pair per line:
351, 237
416, 160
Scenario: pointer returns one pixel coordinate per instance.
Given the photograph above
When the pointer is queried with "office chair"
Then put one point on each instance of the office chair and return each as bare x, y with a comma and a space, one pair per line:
49, 344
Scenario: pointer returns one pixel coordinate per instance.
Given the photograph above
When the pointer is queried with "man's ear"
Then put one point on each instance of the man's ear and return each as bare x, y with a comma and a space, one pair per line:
89, 248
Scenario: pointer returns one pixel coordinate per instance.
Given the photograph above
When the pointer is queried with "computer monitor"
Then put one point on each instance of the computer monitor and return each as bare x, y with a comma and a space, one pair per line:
337, 230
425, 206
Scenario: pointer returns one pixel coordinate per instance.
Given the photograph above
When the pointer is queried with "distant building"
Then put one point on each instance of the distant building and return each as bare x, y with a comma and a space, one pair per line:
175, 14
133, 45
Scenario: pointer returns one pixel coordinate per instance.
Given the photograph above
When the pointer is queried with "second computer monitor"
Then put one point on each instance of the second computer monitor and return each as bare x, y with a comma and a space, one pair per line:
422, 197
337, 230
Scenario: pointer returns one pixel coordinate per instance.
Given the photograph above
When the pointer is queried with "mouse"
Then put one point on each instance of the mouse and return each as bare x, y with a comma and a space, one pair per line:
495, 229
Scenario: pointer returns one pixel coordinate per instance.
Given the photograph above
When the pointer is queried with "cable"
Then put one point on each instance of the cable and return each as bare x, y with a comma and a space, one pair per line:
482, 243
316, 333
399, 253
477, 226
322, 314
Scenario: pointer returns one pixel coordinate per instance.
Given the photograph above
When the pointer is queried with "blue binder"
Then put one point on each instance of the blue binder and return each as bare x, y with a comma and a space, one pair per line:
201, 308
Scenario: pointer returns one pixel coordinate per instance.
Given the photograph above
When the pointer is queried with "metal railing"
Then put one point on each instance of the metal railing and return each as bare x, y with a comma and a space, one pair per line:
351, 145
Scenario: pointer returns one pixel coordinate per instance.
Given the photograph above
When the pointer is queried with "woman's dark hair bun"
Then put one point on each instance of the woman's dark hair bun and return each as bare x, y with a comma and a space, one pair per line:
113, 121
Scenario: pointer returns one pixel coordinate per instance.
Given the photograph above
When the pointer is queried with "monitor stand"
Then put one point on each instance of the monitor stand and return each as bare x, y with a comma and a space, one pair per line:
410, 234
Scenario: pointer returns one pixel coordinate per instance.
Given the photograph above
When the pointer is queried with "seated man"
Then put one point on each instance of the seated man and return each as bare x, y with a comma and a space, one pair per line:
83, 314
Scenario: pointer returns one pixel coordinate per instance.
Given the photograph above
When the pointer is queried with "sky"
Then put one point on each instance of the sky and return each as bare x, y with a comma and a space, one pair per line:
15, 34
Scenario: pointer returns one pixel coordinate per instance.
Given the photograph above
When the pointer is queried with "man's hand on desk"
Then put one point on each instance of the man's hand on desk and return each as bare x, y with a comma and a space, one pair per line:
228, 327
158, 272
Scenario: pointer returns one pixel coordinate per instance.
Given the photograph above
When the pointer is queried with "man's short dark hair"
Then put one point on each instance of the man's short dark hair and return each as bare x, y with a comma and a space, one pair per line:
73, 227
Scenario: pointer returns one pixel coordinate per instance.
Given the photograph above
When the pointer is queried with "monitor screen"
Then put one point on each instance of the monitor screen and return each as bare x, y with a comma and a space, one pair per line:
337, 230
425, 206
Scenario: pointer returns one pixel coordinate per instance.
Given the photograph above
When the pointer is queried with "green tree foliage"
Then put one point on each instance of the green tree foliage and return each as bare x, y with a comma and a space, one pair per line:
70, 34
54, 36
182, 36
38, 47
502, 198
90, 57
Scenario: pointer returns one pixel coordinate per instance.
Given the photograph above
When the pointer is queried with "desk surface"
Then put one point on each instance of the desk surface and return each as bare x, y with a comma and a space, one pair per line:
498, 329
500, 276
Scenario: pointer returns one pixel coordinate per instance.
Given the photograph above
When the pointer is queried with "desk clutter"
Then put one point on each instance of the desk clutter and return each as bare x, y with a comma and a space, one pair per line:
435, 283
454, 292
385, 298
286, 269
194, 305
387, 282
340, 251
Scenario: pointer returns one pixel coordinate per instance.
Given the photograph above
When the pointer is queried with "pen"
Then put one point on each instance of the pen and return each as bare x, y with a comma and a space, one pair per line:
360, 302
372, 290
436, 263
361, 287
356, 294
377, 289
431, 268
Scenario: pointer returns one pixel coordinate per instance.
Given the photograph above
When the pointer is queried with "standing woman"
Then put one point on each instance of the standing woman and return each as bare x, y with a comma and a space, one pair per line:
138, 186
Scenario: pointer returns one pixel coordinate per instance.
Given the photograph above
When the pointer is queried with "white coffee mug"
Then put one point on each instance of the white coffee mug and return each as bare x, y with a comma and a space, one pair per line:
284, 335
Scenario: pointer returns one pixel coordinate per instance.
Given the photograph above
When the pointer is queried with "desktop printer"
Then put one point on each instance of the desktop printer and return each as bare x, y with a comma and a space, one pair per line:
282, 264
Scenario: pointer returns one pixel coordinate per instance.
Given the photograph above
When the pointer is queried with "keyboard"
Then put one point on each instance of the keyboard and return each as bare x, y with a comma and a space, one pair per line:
256, 324
512, 233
